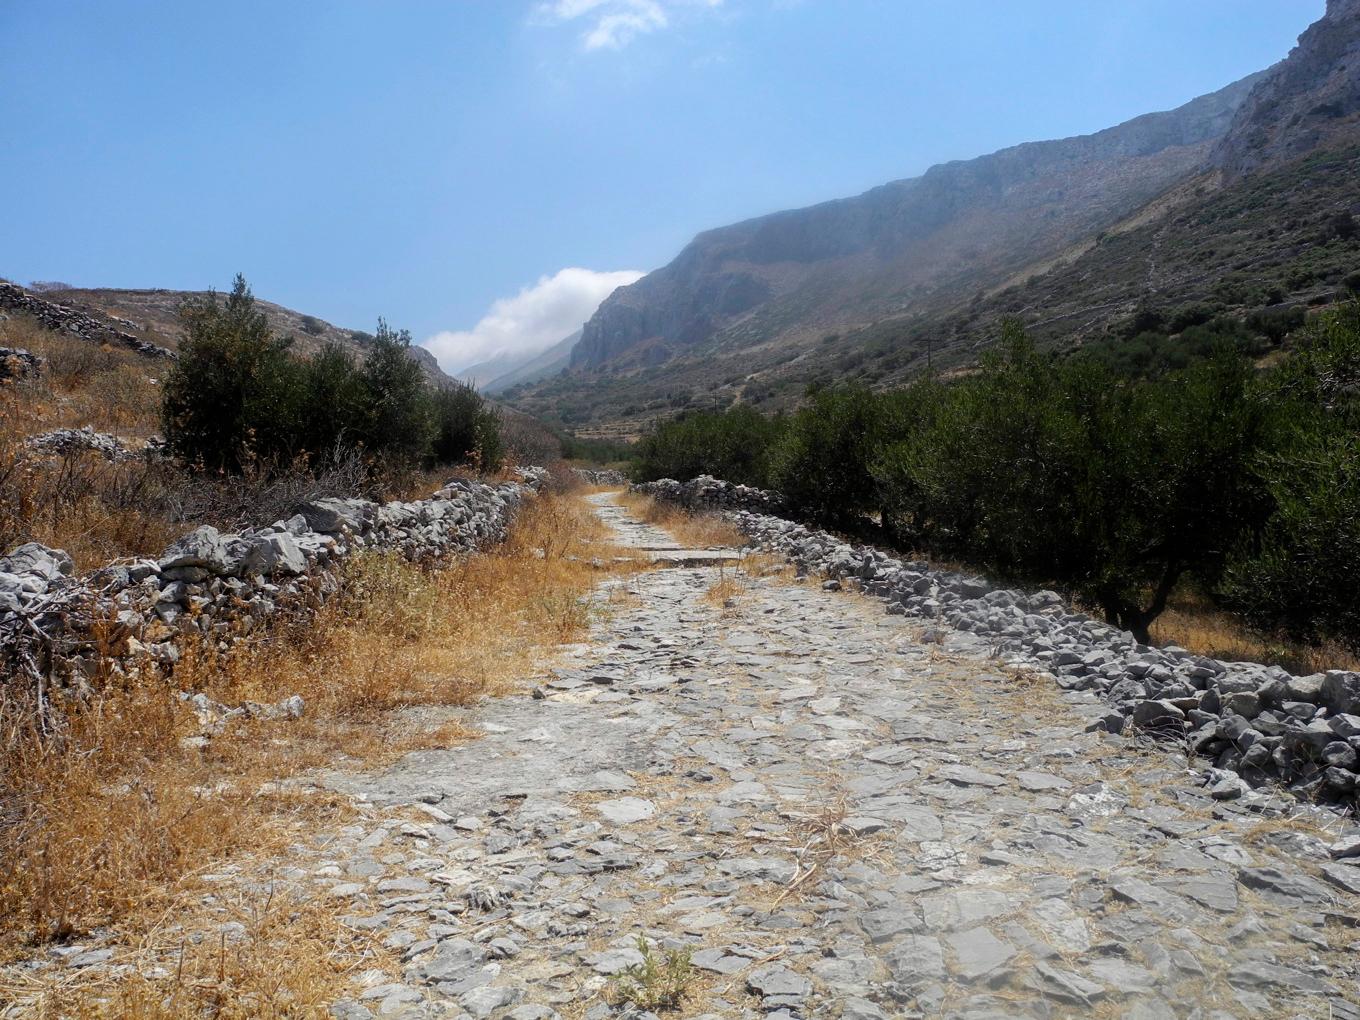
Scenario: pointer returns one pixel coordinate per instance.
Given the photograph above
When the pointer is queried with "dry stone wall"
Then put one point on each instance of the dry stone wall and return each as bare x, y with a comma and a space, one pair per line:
1254, 723
69, 320
609, 476
709, 493
60, 628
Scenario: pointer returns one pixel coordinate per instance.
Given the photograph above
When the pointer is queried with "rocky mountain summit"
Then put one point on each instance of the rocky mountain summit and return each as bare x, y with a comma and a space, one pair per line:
1308, 101
960, 219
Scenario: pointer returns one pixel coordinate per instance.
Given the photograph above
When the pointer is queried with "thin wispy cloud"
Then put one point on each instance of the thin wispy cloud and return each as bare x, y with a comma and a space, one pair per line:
532, 320
613, 24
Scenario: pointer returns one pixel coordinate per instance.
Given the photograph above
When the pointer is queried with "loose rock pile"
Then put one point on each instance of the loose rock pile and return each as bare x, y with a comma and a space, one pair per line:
220, 587
84, 439
709, 493
1255, 722
87, 327
19, 364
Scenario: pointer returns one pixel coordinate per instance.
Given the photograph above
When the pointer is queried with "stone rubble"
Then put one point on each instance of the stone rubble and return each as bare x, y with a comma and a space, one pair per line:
220, 587
1249, 720
111, 447
68, 320
709, 493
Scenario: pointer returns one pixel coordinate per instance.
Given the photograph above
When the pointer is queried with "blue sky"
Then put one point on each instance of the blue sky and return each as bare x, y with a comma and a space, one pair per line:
440, 162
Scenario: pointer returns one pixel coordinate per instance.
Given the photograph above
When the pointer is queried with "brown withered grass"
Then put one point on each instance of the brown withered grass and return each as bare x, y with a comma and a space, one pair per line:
107, 388
1195, 625
95, 510
693, 530
108, 815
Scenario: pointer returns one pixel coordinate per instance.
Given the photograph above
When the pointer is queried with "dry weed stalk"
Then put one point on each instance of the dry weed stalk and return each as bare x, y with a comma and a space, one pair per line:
823, 837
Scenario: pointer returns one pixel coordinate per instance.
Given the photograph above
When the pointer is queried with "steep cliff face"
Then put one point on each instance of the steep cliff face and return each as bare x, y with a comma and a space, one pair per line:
1309, 100
867, 255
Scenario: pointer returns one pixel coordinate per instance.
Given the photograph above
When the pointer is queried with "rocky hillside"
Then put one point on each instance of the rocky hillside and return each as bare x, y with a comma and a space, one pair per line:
1230, 199
877, 251
1310, 100
153, 315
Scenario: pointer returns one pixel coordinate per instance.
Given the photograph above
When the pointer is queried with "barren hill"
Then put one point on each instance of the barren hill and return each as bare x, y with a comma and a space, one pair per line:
153, 315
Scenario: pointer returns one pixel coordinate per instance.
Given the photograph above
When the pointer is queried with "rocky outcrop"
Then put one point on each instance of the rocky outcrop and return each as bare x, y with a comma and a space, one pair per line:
217, 588
69, 320
1253, 722
1309, 100
19, 365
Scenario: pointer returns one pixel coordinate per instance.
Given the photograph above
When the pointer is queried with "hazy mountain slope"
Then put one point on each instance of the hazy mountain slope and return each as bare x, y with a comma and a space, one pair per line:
505, 370
484, 371
1252, 217
843, 261
540, 366
154, 315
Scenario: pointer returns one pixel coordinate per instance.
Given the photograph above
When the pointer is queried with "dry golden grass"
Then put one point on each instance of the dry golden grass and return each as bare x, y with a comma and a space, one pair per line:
694, 530
110, 389
286, 959
108, 815
1198, 627
725, 589
80, 502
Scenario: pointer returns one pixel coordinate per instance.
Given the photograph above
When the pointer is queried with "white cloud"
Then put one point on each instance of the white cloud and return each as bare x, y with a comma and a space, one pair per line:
613, 24
531, 321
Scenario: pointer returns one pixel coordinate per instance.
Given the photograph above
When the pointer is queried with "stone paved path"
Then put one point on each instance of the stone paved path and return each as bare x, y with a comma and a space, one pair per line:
840, 819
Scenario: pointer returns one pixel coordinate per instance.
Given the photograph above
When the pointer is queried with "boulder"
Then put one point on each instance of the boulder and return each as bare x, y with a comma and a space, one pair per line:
38, 560
1341, 691
203, 547
276, 553
332, 516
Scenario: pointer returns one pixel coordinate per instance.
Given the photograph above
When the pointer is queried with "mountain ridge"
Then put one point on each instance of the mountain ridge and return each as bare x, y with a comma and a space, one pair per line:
1162, 208
728, 272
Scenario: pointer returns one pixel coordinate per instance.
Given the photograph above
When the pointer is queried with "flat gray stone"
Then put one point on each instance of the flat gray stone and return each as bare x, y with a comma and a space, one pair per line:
915, 959
613, 961
979, 953
777, 981
965, 908
626, 810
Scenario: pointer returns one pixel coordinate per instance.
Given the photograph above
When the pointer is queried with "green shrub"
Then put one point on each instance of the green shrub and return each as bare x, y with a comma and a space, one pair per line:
823, 464
735, 444
237, 397
465, 428
232, 395
1064, 472
1301, 576
334, 401
397, 421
